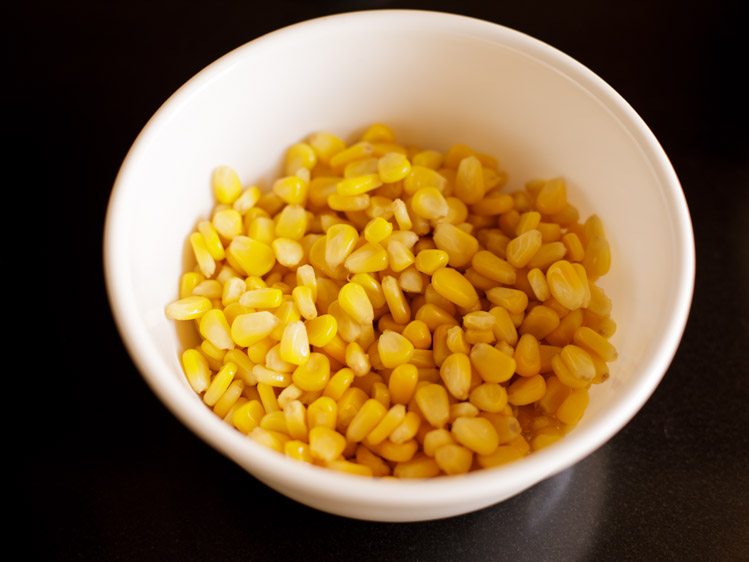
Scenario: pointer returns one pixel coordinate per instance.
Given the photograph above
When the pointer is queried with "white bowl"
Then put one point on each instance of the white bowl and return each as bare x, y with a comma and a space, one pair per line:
436, 79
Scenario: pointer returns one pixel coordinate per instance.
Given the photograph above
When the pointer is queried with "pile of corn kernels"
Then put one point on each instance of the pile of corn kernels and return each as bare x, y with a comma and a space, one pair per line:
387, 310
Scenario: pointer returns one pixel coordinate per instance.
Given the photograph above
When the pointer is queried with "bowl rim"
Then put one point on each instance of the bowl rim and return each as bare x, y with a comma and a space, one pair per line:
324, 483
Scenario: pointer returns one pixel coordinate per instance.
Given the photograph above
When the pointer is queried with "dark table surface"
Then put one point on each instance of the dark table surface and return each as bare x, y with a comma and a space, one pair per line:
119, 478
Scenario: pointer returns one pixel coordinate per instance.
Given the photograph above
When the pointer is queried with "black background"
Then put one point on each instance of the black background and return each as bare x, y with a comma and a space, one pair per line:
107, 473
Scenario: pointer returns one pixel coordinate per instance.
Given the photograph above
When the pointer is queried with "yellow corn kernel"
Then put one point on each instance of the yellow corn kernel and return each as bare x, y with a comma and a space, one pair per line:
400, 212
188, 282
368, 258
321, 330
250, 256
257, 351
291, 190
393, 167
210, 289
355, 302
493, 267
528, 221
226, 184
394, 349
357, 360
429, 203
420, 466
402, 383
399, 256
420, 177
456, 340
550, 232
407, 429
377, 230
289, 253
433, 316
453, 286
506, 426
492, 205
520, 250
275, 362
513, 300
188, 308
357, 168
573, 407
291, 222
211, 239
203, 256
566, 329
247, 200
247, 417
326, 444
423, 359
593, 341
540, 322
305, 302
232, 290
501, 455
504, 329
527, 356
395, 300
492, 365
270, 377
354, 152
323, 412
261, 298
378, 132
288, 395
250, 328
430, 260
338, 383
348, 328
228, 223
476, 434
479, 336
574, 367
268, 398
349, 468
457, 212
418, 334
526, 390
219, 384
348, 406
365, 420
300, 155
271, 439
296, 419
229, 398
453, 459
388, 422
434, 404
597, 260
489, 397
537, 281
459, 245
547, 254
455, 372
436, 438
565, 284
339, 202
326, 145
411, 281
305, 276
215, 329
298, 450
196, 370
428, 159
336, 349
355, 186
575, 251
552, 198
469, 181
270, 203
431, 296
286, 314
479, 320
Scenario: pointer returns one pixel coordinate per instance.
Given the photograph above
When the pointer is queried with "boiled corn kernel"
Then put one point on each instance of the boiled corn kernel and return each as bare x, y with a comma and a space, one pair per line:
425, 317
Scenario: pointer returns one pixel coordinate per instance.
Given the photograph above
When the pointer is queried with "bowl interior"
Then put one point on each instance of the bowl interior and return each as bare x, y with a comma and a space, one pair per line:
436, 80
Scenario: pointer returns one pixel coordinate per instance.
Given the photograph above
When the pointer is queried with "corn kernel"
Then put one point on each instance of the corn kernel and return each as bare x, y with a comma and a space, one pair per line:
429, 203
226, 184
247, 417
394, 349
393, 167
420, 466
395, 300
469, 181
453, 286
540, 322
367, 259
455, 372
250, 256
377, 230
565, 284
203, 256
248, 329
215, 329
418, 334
476, 434
526, 390
434, 404
323, 412
593, 341
520, 250
489, 397
188, 308
228, 223
453, 459
326, 444
220, 384
501, 455
349, 405
460, 246
196, 370
261, 298
513, 300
